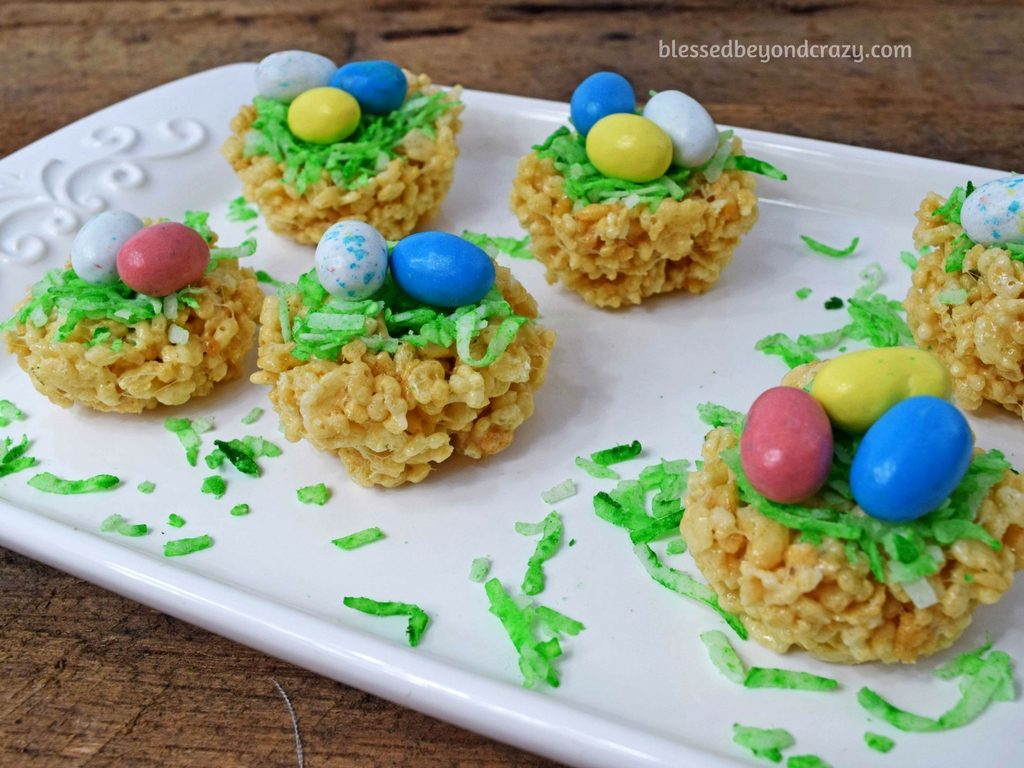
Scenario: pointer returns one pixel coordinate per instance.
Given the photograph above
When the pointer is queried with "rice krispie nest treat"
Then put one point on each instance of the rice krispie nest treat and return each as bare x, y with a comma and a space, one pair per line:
398, 400
966, 305
618, 252
393, 172
112, 349
826, 594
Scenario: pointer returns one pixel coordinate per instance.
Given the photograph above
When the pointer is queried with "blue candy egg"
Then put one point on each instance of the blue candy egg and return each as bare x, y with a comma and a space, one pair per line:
378, 86
600, 95
441, 269
95, 247
351, 260
993, 214
911, 459
286, 74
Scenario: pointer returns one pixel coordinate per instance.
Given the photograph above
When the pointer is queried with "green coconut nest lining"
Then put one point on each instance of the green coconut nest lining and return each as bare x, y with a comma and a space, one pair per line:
584, 184
350, 163
63, 294
896, 552
950, 212
327, 323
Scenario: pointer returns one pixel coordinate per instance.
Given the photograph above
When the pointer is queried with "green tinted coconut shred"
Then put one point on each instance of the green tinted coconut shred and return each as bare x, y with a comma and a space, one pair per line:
479, 569
317, 494
239, 210
726, 661
515, 248
828, 250
117, 524
215, 485
242, 451
188, 436
596, 470
878, 742
617, 454
352, 163
418, 618
584, 184
650, 508
556, 493
50, 483
903, 552
526, 626
182, 547
874, 319
987, 677
806, 761
13, 456
324, 324
9, 412
551, 531
359, 538
766, 743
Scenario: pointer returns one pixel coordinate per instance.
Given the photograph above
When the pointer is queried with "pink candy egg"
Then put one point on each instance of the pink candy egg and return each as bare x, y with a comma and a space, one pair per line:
163, 258
786, 446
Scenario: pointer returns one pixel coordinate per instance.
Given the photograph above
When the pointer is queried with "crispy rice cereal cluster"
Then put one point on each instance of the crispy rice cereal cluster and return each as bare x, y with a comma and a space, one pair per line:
791, 593
408, 191
982, 340
390, 418
612, 255
148, 370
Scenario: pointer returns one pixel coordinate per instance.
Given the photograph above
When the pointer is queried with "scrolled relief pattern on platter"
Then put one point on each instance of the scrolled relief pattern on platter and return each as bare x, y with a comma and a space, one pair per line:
47, 203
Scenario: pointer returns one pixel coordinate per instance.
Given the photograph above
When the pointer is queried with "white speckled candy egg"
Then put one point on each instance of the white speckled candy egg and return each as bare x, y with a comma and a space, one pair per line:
95, 247
993, 214
692, 131
351, 260
286, 74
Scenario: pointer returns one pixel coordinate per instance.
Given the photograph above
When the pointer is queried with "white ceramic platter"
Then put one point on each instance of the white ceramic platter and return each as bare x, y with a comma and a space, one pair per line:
637, 689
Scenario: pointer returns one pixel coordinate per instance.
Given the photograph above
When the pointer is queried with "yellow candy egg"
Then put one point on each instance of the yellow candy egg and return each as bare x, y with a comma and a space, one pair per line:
629, 147
857, 388
323, 115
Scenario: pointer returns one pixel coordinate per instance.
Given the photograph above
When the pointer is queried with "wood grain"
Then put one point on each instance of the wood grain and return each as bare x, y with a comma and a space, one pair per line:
90, 679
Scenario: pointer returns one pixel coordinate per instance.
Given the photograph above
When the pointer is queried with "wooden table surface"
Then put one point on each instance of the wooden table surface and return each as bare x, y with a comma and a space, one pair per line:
89, 678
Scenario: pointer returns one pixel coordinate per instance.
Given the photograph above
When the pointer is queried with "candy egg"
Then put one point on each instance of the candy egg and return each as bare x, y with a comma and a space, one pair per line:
693, 133
94, 249
351, 260
323, 115
993, 214
786, 445
286, 74
163, 258
378, 86
600, 95
857, 388
911, 459
629, 147
441, 269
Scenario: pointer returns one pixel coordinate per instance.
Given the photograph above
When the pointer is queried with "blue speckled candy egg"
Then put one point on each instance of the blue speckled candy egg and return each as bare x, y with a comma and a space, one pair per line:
993, 214
600, 95
351, 260
911, 459
95, 247
693, 133
441, 269
378, 86
286, 74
